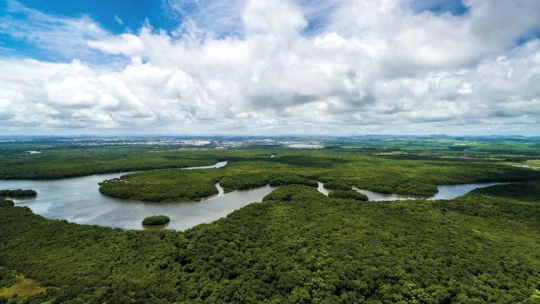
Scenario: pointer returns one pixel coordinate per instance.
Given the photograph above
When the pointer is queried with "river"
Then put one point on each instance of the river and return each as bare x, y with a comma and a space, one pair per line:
446, 192
78, 200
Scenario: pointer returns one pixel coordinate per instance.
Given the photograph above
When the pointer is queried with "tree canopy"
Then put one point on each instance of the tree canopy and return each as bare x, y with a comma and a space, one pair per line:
156, 220
298, 246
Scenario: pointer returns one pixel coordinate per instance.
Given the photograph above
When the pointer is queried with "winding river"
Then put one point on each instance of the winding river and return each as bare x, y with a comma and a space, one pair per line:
78, 200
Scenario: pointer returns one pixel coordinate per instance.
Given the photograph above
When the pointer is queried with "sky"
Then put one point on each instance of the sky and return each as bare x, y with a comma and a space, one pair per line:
270, 67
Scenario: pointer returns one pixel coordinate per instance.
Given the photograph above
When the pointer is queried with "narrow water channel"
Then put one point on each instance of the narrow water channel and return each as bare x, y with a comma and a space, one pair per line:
446, 192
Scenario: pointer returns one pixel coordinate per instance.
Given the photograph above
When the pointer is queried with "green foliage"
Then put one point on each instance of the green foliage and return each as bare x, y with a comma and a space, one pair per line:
291, 179
190, 185
253, 180
379, 174
8, 277
62, 163
163, 185
414, 167
295, 193
337, 185
525, 192
18, 193
297, 246
247, 170
245, 181
156, 220
5, 203
348, 194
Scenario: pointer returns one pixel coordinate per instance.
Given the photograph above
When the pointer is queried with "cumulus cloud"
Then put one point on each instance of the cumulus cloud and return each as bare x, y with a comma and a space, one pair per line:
283, 66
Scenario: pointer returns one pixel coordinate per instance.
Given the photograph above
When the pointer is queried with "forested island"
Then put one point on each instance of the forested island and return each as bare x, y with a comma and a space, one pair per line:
348, 194
18, 193
156, 220
297, 245
337, 170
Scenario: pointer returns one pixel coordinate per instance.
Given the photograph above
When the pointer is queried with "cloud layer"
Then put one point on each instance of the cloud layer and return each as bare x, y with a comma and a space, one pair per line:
279, 66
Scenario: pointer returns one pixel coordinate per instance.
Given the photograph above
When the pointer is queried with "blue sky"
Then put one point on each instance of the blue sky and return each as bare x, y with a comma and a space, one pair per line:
133, 14
270, 66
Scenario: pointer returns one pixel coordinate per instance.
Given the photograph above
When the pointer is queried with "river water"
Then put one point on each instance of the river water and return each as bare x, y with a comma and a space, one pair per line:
78, 200
446, 192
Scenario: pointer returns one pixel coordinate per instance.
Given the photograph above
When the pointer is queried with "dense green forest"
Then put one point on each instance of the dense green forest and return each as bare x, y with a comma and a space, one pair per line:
348, 194
163, 185
8, 277
156, 220
298, 246
247, 169
56, 164
6, 203
19, 193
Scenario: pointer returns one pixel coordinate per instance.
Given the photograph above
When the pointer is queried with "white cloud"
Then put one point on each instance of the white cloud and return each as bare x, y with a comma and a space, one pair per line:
215, 17
126, 44
371, 67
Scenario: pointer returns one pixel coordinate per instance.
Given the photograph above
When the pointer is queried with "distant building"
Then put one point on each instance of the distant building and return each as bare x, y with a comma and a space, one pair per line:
221, 148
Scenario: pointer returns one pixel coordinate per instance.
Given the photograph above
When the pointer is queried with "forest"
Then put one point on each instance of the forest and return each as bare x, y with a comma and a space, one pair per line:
18, 193
298, 246
6, 202
348, 194
64, 163
346, 169
156, 220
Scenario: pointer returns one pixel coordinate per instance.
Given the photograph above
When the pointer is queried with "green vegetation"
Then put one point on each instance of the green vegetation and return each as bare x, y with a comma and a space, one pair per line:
246, 170
348, 194
402, 165
6, 203
306, 248
156, 220
298, 245
163, 185
253, 180
191, 185
337, 185
54, 164
534, 162
245, 181
294, 193
18, 193
21, 291
8, 277
291, 179
16, 287
492, 148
